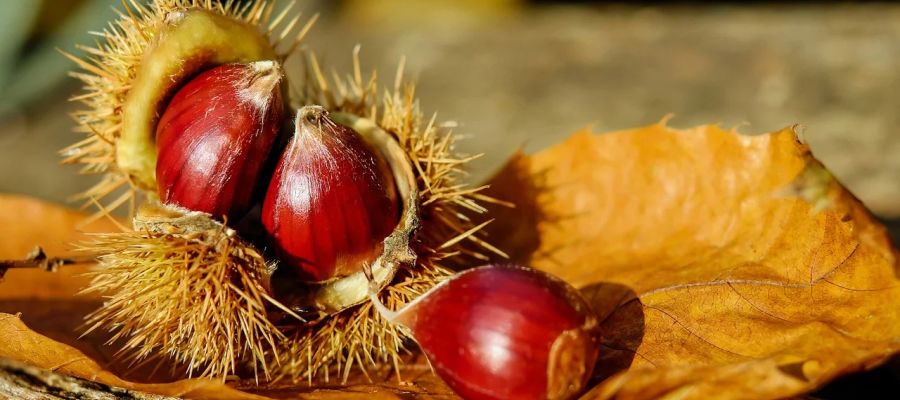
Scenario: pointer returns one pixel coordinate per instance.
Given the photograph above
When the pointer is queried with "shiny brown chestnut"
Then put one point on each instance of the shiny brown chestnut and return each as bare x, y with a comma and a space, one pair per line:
504, 332
215, 136
331, 202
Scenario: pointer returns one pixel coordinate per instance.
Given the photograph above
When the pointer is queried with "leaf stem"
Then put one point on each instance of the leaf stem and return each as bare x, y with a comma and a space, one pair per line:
38, 259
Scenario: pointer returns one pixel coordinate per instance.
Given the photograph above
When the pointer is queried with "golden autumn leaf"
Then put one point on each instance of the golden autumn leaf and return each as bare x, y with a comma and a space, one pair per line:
721, 265
41, 316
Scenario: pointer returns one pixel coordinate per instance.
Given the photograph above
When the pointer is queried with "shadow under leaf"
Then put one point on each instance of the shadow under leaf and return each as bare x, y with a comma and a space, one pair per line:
621, 319
515, 229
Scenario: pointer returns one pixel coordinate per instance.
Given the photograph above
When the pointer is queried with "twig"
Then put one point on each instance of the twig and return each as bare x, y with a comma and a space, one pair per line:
38, 259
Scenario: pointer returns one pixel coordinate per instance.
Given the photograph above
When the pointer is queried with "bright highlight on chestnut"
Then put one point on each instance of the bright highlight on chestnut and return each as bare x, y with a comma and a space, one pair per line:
504, 332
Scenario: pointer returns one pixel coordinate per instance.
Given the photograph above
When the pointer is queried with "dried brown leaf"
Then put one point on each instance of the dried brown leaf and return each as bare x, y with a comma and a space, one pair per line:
722, 265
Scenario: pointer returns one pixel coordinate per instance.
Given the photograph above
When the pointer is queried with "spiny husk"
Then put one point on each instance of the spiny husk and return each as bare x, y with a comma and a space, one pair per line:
186, 286
111, 65
359, 336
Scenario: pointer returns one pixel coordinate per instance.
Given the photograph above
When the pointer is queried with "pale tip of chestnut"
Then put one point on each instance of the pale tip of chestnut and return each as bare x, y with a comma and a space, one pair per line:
311, 125
262, 80
311, 116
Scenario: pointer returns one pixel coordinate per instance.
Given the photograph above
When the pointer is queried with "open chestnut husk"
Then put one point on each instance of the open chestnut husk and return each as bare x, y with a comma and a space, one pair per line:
197, 87
504, 332
247, 319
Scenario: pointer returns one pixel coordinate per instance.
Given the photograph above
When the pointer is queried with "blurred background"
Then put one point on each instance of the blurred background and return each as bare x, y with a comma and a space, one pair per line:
522, 74
525, 74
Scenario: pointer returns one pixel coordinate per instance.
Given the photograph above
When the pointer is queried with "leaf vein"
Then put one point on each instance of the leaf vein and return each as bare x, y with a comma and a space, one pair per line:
692, 333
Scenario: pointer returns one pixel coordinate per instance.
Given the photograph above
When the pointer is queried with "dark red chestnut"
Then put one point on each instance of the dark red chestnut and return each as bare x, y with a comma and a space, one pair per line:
331, 202
504, 332
215, 136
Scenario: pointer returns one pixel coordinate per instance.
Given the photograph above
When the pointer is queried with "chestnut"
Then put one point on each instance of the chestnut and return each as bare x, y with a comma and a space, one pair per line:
503, 332
215, 136
331, 202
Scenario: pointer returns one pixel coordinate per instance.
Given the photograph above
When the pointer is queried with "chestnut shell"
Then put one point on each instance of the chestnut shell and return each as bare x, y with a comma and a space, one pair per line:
505, 332
331, 201
215, 136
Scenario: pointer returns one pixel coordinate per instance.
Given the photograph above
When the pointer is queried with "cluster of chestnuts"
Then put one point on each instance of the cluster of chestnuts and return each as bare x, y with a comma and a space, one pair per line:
491, 332
331, 201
